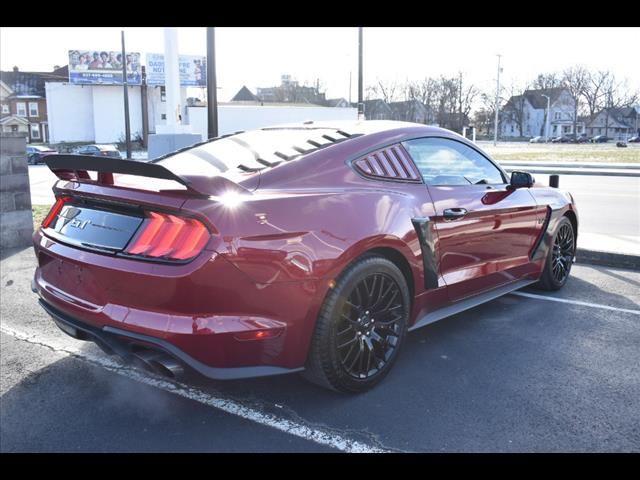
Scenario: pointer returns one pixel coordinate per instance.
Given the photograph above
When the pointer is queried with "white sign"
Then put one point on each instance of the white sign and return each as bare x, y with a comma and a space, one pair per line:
193, 70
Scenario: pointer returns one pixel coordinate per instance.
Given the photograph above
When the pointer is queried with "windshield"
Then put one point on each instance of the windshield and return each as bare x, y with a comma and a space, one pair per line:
250, 151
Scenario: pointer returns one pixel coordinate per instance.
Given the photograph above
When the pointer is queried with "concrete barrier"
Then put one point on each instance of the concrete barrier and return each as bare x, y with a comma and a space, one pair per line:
16, 219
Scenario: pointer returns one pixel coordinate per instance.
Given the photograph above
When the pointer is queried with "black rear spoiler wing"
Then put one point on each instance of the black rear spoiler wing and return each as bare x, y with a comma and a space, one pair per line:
76, 167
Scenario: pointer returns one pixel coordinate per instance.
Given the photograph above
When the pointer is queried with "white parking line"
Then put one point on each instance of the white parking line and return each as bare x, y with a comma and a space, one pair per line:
306, 432
575, 302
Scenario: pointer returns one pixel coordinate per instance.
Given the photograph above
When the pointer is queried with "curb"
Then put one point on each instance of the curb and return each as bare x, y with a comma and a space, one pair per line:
576, 171
608, 259
572, 165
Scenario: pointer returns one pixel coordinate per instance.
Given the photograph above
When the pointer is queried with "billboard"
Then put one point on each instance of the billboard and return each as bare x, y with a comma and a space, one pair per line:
102, 67
193, 70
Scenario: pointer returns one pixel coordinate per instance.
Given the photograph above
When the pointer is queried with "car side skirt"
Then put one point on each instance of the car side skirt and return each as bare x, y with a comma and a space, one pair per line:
470, 302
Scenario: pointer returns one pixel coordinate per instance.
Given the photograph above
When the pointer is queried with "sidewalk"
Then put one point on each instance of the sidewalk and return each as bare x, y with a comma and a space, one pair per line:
621, 251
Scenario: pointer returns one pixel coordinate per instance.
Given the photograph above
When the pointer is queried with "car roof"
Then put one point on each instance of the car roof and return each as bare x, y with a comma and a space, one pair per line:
39, 147
102, 146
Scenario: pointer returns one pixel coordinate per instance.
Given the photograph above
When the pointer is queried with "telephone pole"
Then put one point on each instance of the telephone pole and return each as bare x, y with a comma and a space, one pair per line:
127, 128
495, 130
212, 86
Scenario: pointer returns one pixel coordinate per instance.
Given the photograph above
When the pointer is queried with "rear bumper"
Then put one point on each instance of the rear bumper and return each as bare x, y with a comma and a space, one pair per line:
121, 342
203, 313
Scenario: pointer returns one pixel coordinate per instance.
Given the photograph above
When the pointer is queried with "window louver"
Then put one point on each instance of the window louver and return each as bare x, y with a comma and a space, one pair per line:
390, 163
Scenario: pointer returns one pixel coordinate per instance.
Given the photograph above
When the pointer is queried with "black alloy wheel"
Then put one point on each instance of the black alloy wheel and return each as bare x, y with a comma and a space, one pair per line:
368, 329
361, 326
560, 258
562, 254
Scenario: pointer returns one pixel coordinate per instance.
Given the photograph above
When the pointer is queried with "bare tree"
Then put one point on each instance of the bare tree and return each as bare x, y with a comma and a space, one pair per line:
387, 91
547, 80
447, 94
425, 91
594, 92
466, 96
575, 80
616, 95
484, 117
515, 108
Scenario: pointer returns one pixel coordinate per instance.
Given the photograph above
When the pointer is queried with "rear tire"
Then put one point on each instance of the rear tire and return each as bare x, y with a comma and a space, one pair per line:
361, 327
560, 258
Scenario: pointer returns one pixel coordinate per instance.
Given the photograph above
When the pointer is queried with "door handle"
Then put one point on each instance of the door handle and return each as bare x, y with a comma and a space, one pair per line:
454, 213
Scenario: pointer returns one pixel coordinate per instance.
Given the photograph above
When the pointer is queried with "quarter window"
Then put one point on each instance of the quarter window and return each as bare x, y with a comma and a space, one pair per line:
447, 162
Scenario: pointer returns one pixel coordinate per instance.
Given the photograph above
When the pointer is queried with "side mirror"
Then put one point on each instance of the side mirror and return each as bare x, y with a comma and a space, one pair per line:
521, 179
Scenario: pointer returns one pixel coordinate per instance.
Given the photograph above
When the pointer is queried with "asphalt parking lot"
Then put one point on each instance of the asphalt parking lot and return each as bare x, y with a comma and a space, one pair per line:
529, 372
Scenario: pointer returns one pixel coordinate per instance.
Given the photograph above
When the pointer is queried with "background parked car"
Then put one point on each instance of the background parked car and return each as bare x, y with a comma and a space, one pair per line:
600, 139
538, 139
582, 138
635, 139
99, 150
561, 139
36, 153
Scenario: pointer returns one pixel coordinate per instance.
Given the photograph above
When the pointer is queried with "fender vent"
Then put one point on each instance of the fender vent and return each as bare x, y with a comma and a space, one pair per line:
390, 163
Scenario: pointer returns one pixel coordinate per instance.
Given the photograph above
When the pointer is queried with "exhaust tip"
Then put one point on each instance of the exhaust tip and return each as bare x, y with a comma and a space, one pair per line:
157, 362
168, 367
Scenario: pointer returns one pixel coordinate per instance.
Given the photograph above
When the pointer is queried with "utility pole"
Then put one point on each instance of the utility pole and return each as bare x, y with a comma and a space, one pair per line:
212, 86
360, 103
127, 128
460, 100
145, 108
495, 130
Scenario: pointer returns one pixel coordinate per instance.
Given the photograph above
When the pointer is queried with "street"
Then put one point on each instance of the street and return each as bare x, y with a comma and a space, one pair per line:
531, 371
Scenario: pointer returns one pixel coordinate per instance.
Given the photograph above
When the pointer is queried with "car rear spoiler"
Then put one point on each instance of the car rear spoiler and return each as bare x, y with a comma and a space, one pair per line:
76, 167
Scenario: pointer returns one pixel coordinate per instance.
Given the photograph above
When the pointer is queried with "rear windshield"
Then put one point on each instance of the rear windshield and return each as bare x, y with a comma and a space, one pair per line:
249, 151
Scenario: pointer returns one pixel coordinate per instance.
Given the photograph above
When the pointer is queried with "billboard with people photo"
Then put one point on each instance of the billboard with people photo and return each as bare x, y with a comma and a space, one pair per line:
102, 67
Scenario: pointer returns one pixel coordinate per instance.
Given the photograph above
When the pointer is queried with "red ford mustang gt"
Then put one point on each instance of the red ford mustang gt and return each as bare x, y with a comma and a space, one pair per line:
311, 247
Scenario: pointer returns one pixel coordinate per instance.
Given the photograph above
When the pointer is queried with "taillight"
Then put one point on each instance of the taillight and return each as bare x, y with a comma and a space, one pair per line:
168, 236
55, 210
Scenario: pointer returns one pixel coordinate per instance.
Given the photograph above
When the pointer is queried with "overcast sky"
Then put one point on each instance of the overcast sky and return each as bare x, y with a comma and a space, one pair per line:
256, 57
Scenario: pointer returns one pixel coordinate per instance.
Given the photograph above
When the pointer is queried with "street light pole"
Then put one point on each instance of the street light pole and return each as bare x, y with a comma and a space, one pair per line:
546, 130
495, 130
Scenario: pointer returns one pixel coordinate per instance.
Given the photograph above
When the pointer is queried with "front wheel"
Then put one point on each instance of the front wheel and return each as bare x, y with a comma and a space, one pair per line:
560, 257
361, 327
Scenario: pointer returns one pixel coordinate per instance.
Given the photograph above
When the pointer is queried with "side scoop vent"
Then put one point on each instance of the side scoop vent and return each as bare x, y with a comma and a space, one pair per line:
389, 163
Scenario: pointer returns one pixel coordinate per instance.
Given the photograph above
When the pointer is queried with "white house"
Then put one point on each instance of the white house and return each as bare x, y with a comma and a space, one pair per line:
235, 116
95, 113
616, 123
525, 115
